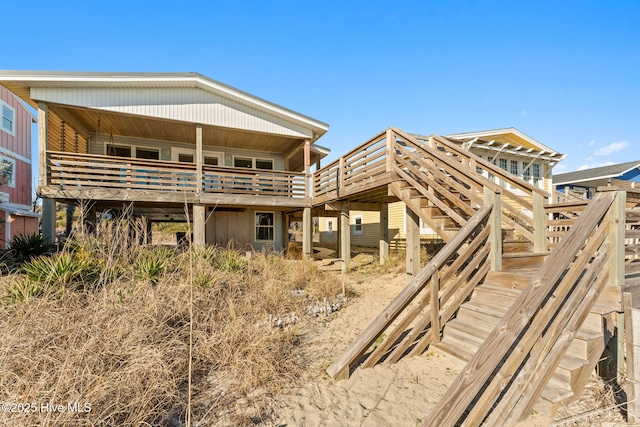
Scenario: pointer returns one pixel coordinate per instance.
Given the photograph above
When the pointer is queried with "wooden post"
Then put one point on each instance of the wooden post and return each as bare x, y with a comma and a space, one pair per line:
413, 242
198, 224
338, 237
390, 153
615, 239
539, 224
89, 218
49, 219
384, 232
149, 224
307, 234
345, 237
632, 345
435, 307
286, 221
199, 161
43, 143
495, 222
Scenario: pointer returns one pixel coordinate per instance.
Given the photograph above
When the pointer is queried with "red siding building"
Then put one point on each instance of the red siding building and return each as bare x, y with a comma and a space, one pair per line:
16, 215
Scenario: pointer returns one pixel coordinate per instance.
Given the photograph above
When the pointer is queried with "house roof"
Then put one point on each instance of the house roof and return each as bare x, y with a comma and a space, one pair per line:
509, 140
594, 174
21, 83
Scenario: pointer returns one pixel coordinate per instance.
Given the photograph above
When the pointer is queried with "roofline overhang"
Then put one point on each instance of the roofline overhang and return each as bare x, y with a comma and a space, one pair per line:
595, 178
479, 134
190, 79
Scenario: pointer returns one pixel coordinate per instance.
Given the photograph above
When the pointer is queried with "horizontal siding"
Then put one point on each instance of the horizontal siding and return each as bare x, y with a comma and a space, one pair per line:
222, 227
182, 104
98, 143
21, 142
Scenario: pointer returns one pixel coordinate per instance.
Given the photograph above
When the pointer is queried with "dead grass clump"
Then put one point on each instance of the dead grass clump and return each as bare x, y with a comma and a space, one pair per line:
122, 344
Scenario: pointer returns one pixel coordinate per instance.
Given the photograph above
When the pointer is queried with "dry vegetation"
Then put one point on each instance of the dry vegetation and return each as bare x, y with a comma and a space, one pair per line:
108, 323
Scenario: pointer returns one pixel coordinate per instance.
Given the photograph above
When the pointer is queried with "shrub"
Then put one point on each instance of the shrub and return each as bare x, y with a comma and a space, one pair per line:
29, 246
61, 272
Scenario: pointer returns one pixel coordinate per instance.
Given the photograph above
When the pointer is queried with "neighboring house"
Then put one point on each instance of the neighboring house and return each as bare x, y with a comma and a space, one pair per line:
583, 184
16, 215
159, 144
507, 148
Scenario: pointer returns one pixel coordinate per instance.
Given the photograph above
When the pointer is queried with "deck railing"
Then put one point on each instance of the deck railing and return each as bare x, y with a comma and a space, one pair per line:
436, 294
378, 161
98, 171
507, 374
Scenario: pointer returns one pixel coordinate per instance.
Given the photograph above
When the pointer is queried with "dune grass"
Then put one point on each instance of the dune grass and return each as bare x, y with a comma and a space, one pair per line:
107, 322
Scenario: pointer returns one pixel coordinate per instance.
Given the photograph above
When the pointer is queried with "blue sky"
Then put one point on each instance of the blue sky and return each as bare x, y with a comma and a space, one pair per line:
563, 72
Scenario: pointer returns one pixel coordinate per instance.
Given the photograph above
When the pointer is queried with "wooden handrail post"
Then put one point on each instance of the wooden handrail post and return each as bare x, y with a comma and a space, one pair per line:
539, 224
495, 222
390, 151
199, 159
435, 307
340, 176
617, 215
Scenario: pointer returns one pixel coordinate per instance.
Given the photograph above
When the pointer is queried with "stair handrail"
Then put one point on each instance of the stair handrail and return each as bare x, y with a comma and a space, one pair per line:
533, 228
538, 328
460, 265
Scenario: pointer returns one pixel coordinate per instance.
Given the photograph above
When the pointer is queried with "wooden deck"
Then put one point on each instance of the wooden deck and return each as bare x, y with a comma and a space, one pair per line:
90, 176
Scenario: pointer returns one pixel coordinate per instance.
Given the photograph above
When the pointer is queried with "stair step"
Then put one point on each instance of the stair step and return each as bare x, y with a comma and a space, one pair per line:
522, 260
458, 355
569, 368
494, 297
516, 246
518, 279
552, 397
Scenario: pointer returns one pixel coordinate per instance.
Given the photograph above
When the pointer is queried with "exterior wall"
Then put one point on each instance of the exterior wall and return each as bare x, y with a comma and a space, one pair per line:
99, 142
18, 147
180, 103
3, 228
237, 229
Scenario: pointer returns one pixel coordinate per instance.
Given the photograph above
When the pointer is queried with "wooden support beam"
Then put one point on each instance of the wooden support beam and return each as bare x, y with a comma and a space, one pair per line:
307, 234
615, 239
345, 238
539, 224
43, 143
49, 219
89, 218
413, 242
198, 225
354, 206
384, 233
286, 221
495, 222
199, 158
632, 350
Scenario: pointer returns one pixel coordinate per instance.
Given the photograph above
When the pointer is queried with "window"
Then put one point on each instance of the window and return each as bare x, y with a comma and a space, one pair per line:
357, 225
145, 153
118, 150
330, 227
513, 167
242, 162
503, 164
8, 118
186, 158
7, 170
536, 173
249, 162
265, 226
526, 172
212, 161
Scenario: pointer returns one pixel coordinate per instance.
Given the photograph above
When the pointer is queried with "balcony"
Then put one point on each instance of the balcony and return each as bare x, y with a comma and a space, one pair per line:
90, 176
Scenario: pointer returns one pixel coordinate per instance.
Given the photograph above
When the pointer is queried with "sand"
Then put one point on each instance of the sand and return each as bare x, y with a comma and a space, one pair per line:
387, 395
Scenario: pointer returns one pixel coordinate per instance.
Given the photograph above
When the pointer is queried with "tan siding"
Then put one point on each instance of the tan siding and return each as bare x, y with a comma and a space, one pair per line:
183, 104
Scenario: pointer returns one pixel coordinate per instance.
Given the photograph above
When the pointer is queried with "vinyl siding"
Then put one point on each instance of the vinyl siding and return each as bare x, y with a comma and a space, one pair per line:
18, 147
183, 104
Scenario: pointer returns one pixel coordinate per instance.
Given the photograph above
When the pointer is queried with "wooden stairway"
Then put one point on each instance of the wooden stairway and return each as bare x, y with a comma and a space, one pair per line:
477, 317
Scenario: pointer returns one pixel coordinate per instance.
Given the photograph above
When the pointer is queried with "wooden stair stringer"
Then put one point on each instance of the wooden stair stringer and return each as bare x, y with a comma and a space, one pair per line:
462, 336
